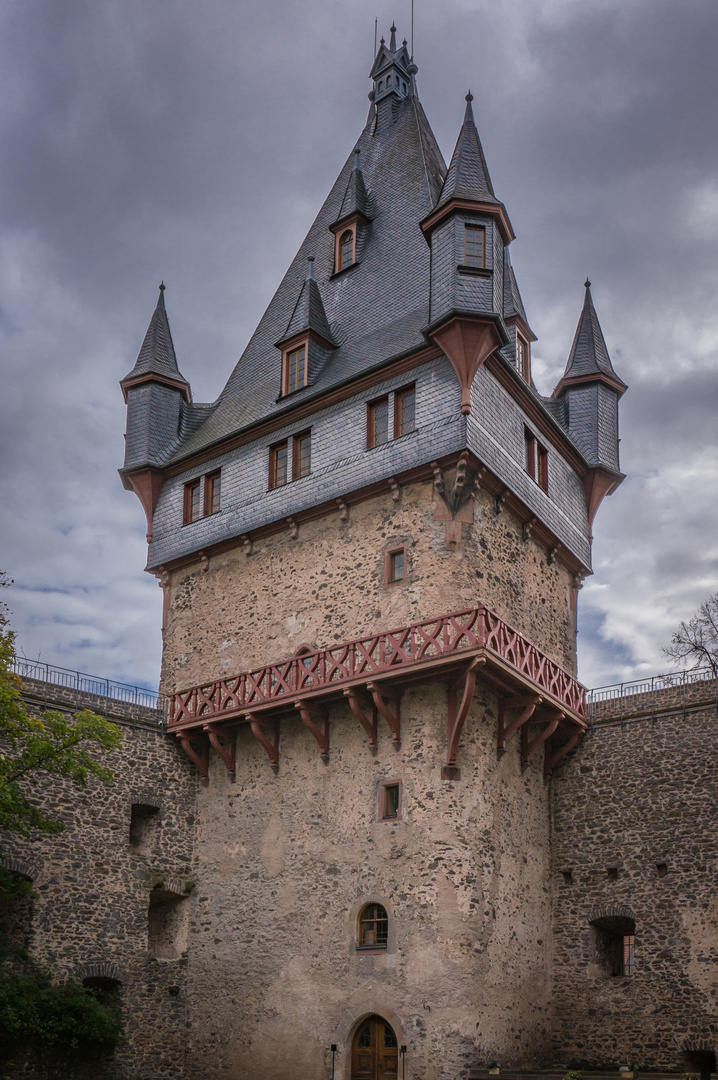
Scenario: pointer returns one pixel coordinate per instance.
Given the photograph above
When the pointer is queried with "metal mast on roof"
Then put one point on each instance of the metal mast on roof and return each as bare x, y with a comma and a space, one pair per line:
375, 23
412, 29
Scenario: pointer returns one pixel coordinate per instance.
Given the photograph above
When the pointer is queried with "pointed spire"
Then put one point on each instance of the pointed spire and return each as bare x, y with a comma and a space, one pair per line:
589, 355
392, 40
468, 175
309, 313
356, 200
157, 357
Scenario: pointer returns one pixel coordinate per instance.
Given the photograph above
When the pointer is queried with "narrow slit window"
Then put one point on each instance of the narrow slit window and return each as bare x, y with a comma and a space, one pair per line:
474, 245
212, 492
302, 455
404, 411
191, 501
278, 464
373, 927
346, 249
394, 565
530, 453
378, 422
542, 463
389, 801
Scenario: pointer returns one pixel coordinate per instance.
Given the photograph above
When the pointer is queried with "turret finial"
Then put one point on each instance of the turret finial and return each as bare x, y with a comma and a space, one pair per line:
310, 268
161, 297
162, 286
392, 42
469, 97
587, 284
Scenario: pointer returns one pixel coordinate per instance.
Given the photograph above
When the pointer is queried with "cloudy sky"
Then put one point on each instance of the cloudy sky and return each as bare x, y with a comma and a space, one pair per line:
150, 139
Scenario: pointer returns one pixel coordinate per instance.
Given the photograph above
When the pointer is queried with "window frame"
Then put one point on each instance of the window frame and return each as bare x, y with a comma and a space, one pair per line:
468, 260
208, 508
384, 787
371, 442
535, 459
399, 409
378, 946
292, 444
523, 366
288, 351
350, 230
188, 518
389, 555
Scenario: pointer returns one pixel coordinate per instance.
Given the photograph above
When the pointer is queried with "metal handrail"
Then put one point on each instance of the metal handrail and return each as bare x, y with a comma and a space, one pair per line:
671, 680
81, 682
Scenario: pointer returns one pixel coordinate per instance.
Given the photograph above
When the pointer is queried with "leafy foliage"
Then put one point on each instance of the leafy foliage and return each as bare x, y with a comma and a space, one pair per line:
32, 746
695, 642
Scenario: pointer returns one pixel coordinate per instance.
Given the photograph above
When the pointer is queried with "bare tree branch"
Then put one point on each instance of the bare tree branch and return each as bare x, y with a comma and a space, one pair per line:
695, 643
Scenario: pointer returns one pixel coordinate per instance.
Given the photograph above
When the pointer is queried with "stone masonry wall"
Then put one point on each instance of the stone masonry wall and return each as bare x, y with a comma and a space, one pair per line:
635, 832
286, 863
92, 889
326, 586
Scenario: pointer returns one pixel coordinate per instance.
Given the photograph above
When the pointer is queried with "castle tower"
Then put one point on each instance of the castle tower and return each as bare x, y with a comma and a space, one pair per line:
371, 545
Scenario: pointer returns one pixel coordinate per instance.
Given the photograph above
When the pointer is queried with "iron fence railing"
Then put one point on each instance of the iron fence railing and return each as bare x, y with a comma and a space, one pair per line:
617, 699
82, 683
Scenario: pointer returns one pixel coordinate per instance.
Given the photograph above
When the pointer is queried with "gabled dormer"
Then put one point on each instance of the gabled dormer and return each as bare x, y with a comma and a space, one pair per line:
354, 216
518, 351
392, 71
308, 341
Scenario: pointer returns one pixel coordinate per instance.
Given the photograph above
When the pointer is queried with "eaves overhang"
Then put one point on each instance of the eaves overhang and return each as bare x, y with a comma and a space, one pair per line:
616, 384
496, 209
153, 377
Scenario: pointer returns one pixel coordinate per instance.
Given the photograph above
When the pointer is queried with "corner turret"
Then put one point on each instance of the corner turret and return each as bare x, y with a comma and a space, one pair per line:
589, 392
154, 392
467, 230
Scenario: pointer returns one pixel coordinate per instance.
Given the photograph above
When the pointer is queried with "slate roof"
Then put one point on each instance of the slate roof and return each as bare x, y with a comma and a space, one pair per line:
589, 355
157, 355
309, 311
513, 304
356, 199
468, 174
380, 305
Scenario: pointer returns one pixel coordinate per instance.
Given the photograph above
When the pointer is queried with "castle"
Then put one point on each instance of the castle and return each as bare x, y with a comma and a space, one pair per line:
381, 836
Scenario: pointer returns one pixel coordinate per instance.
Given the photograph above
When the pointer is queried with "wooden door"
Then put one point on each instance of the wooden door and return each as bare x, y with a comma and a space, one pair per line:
375, 1052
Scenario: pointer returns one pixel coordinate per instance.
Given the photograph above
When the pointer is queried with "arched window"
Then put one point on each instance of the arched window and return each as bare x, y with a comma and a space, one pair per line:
373, 927
346, 249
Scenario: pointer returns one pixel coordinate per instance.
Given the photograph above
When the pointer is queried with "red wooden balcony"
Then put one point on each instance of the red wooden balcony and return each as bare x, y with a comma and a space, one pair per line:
371, 673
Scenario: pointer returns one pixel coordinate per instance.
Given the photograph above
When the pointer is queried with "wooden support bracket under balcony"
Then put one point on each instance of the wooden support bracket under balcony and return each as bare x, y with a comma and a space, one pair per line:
226, 746
316, 720
200, 756
529, 745
266, 731
552, 757
508, 729
456, 715
388, 702
364, 710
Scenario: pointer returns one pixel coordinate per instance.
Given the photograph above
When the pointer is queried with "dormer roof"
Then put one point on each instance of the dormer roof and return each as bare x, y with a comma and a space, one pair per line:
356, 200
156, 361
308, 315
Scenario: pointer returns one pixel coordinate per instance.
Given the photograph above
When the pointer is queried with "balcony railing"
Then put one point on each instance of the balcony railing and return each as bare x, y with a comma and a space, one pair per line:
79, 682
427, 644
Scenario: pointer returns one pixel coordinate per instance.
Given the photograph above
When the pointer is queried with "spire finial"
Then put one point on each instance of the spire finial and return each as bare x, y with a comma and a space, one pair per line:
587, 284
161, 298
392, 41
162, 286
310, 268
469, 97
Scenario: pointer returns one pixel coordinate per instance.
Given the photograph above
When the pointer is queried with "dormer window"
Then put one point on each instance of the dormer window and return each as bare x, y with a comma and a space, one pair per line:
346, 249
523, 358
294, 368
474, 245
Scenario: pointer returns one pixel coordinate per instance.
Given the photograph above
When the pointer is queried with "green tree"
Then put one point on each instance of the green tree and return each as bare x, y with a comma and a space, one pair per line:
54, 1026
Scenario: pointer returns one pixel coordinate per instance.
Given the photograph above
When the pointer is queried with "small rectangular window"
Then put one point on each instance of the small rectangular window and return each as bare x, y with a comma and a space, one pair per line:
212, 491
294, 375
394, 565
301, 455
278, 464
542, 455
404, 411
378, 422
530, 453
390, 801
474, 245
523, 358
191, 501
629, 956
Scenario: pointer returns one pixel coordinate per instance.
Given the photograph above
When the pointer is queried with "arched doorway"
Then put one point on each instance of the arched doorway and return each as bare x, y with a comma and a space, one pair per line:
375, 1051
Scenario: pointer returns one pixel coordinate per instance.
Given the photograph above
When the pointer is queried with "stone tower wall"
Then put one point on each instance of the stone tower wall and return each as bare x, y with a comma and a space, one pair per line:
639, 794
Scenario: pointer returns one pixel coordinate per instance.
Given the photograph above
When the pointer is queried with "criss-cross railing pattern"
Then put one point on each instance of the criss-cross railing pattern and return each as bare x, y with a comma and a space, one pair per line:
421, 643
